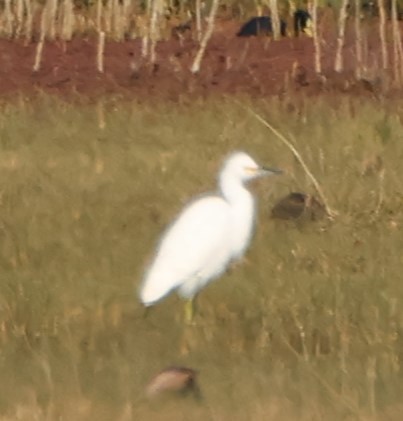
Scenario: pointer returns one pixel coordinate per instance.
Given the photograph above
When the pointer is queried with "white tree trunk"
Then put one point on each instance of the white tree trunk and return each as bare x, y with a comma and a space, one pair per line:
198, 20
275, 21
39, 46
28, 22
19, 14
68, 20
207, 35
156, 9
358, 40
51, 7
99, 15
100, 51
338, 64
397, 47
8, 18
382, 33
316, 37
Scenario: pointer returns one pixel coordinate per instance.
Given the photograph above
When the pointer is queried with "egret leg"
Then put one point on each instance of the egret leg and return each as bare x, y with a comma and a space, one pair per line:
146, 312
189, 310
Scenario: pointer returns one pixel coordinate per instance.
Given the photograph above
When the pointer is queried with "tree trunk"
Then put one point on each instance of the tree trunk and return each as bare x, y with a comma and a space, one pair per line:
154, 30
338, 64
397, 47
358, 40
207, 35
316, 37
198, 21
275, 21
382, 33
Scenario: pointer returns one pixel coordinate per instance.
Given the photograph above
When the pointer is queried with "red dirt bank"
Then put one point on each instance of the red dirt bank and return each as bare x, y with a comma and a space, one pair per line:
254, 66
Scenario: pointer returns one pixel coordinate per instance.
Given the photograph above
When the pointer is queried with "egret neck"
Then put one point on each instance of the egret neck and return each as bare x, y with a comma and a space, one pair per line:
242, 209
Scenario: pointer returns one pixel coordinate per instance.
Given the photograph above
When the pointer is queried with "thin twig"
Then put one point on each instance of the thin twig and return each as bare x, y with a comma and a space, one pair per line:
330, 212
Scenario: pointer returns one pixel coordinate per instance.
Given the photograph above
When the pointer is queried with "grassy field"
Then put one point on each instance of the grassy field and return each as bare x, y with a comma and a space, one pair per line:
309, 327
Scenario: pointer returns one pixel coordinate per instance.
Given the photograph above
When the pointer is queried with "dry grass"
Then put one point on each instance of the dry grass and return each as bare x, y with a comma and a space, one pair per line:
310, 326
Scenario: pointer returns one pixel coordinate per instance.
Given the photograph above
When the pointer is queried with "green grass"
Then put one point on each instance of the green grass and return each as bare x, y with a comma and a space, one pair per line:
310, 326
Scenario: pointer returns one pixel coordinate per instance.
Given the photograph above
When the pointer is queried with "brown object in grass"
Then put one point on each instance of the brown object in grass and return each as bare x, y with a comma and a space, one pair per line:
174, 380
298, 205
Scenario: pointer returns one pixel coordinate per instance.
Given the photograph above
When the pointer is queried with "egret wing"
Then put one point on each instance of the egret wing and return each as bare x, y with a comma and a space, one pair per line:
194, 247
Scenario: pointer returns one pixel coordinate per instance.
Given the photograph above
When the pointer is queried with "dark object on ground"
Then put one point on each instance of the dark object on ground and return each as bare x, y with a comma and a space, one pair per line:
174, 380
261, 25
180, 31
297, 206
302, 22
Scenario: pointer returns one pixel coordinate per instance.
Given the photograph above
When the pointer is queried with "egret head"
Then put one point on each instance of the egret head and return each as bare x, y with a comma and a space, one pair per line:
241, 166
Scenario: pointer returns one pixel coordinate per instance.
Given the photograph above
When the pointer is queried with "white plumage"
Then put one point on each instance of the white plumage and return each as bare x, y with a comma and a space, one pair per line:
208, 234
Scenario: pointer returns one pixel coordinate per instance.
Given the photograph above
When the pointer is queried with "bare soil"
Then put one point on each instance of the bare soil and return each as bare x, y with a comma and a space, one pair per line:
255, 66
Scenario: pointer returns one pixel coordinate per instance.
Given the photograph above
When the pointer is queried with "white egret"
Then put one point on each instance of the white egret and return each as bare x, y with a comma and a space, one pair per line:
210, 232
